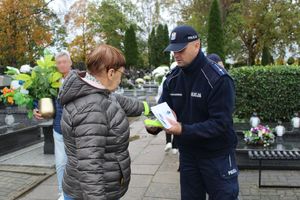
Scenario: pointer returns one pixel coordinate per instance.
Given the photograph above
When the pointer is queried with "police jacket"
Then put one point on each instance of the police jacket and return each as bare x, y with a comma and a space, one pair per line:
203, 97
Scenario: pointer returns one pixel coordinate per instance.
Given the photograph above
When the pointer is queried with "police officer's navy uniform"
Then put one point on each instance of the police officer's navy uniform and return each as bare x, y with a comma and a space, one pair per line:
203, 96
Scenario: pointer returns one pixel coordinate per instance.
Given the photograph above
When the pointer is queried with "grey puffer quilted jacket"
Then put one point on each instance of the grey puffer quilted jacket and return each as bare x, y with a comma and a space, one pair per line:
96, 136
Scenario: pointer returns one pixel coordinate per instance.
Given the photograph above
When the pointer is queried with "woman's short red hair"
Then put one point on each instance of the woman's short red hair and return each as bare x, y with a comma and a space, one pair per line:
105, 57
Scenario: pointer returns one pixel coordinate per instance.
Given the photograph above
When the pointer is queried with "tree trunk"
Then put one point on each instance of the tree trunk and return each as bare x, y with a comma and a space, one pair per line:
251, 57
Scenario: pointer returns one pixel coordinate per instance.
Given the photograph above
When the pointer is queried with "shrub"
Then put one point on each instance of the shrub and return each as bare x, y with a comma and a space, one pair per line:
271, 91
266, 58
290, 61
215, 38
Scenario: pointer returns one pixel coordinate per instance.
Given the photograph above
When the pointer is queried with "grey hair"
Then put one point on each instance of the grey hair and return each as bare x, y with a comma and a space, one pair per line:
62, 53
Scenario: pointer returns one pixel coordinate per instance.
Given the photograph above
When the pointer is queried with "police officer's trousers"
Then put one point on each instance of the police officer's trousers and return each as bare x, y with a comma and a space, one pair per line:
218, 177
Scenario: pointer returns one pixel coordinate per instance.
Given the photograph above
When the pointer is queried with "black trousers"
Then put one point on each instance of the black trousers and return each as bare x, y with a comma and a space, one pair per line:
218, 177
172, 139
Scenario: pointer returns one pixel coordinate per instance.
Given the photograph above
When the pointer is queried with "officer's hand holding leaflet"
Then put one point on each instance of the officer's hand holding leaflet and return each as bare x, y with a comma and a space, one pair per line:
176, 128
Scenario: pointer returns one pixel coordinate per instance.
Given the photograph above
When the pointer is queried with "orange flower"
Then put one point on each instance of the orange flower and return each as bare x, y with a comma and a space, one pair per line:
5, 90
10, 100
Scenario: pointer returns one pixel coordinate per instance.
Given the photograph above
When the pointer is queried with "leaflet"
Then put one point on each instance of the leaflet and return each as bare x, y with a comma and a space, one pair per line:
163, 112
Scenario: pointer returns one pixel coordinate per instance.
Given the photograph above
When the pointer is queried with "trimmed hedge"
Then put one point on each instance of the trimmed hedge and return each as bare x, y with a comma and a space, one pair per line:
271, 91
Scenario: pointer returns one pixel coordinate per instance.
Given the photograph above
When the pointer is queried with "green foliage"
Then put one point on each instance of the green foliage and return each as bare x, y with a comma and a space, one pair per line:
165, 43
131, 47
249, 25
255, 24
291, 61
215, 40
196, 14
266, 58
22, 99
271, 91
108, 20
160, 44
44, 80
151, 48
157, 42
11, 71
25, 100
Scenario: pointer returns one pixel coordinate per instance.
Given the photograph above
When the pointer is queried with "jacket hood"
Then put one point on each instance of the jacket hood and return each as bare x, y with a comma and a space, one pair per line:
75, 87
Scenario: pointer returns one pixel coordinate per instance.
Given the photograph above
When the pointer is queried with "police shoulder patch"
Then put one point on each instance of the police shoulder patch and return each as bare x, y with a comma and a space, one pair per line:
220, 70
212, 72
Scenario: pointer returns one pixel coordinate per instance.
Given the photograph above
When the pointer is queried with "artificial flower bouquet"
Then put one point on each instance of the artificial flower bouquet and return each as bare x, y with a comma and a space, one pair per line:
17, 96
7, 96
260, 135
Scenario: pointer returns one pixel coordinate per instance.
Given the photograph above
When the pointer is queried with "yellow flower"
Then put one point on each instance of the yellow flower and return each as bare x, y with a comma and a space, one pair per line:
10, 100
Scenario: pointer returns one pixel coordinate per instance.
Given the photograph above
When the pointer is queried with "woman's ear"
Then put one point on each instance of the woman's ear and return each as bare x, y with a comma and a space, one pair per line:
110, 74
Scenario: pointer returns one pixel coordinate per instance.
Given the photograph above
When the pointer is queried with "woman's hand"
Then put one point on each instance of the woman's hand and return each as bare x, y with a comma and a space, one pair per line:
37, 114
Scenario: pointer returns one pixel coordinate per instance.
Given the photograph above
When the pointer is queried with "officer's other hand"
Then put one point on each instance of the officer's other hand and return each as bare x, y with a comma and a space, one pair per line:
175, 129
37, 114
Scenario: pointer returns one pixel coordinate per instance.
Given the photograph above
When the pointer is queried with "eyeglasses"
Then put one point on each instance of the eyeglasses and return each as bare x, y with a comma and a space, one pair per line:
125, 72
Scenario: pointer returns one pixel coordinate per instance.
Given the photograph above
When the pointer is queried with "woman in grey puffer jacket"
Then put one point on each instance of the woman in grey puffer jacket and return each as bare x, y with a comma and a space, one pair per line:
96, 130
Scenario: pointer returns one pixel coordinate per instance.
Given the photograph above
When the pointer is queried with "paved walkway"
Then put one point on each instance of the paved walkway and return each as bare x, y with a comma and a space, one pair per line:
155, 176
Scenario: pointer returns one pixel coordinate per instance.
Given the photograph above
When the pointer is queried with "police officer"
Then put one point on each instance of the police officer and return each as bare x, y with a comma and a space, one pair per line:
202, 96
216, 58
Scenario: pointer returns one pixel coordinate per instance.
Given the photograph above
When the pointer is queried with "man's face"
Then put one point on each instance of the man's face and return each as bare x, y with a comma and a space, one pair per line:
63, 64
187, 55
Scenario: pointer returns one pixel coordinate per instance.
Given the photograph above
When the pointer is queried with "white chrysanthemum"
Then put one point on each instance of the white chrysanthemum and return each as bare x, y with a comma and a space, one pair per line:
17, 71
24, 91
25, 69
158, 75
161, 70
140, 81
147, 78
15, 84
